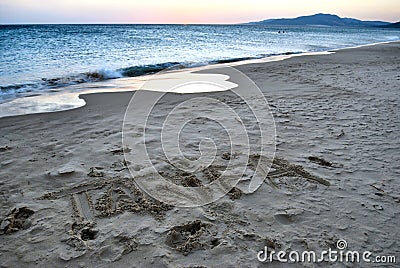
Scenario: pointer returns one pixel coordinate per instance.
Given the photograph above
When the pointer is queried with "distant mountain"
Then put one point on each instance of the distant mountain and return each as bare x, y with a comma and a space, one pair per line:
392, 25
324, 20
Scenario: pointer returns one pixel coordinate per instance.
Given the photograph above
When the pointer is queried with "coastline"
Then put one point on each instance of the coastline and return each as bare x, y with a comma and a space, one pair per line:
340, 107
68, 97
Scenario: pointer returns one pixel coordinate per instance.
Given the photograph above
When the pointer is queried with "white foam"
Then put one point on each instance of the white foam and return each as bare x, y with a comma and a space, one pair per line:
109, 74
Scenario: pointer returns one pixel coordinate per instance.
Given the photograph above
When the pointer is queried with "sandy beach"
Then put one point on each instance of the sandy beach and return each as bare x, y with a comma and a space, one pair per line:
68, 199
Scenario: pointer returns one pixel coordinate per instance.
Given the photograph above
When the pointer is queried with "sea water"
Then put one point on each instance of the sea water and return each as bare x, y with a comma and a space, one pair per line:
38, 59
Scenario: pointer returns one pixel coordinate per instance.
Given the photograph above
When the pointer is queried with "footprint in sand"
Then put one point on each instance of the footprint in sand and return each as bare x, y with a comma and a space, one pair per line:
96, 172
114, 248
17, 219
190, 236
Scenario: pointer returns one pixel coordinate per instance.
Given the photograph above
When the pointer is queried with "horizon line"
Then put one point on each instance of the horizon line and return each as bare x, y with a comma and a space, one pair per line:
174, 23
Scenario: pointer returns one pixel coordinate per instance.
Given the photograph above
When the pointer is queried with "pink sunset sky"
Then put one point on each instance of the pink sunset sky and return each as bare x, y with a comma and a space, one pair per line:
188, 11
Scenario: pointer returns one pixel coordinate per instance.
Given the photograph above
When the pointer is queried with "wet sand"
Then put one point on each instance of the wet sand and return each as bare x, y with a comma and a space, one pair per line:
68, 199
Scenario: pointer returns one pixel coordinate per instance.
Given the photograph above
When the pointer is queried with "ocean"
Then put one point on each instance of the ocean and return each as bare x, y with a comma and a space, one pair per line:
38, 59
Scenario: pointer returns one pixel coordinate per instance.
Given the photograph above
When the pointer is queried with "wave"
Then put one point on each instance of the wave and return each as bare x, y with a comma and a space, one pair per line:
149, 69
106, 74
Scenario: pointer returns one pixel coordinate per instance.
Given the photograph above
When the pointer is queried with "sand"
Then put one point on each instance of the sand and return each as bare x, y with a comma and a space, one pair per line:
68, 199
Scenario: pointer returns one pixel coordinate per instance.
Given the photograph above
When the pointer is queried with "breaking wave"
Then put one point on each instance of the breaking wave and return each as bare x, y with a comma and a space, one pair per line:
10, 91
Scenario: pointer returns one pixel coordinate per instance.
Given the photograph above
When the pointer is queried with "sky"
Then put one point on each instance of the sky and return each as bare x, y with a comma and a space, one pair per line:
188, 11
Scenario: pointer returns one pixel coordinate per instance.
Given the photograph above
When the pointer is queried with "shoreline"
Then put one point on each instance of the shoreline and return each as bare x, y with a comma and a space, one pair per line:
335, 174
60, 99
